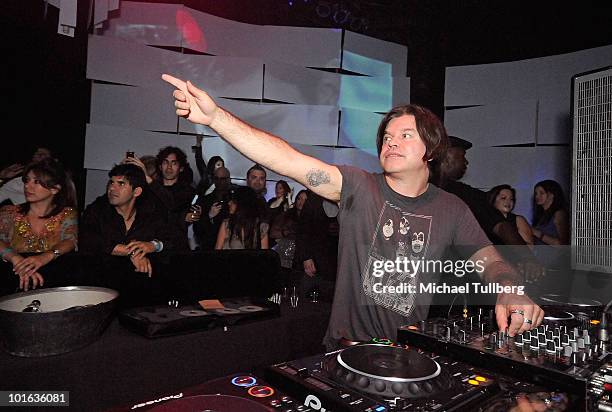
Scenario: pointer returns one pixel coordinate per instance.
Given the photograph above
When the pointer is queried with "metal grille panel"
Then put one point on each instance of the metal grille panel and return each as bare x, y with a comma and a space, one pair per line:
592, 172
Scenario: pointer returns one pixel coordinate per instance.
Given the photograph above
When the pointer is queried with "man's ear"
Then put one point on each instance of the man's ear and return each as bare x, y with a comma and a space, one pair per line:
137, 191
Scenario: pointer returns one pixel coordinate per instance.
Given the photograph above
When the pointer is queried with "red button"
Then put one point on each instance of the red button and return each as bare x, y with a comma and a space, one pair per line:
261, 391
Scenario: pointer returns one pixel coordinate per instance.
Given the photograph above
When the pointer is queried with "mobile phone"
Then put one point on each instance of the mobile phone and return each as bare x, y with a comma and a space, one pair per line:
129, 154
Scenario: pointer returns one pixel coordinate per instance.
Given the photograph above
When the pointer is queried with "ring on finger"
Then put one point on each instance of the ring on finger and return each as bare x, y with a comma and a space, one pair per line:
528, 321
519, 311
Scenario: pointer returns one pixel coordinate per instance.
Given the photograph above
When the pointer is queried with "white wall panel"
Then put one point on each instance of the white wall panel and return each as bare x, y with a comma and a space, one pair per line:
317, 125
401, 91
105, 145
367, 55
302, 46
95, 185
225, 37
374, 94
296, 84
358, 129
240, 77
132, 107
494, 124
118, 61
147, 23
491, 83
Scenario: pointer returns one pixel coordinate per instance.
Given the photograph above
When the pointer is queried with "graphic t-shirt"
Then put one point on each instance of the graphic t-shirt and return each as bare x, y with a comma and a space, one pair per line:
378, 225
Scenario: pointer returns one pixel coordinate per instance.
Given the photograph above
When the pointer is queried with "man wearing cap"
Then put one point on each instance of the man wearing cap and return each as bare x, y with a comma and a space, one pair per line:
446, 174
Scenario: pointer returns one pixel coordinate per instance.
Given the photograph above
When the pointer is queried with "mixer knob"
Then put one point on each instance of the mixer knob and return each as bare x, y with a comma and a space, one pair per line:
448, 333
518, 340
550, 346
574, 358
585, 333
534, 343
422, 326
565, 339
574, 346
557, 333
572, 336
587, 340
363, 382
350, 377
527, 335
413, 388
462, 337
380, 385
549, 335
582, 357
576, 332
580, 343
493, 339
557, 343
567, 351
428, 387
541, 339
398, 388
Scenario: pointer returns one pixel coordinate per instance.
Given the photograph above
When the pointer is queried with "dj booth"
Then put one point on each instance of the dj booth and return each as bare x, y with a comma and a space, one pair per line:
122, 367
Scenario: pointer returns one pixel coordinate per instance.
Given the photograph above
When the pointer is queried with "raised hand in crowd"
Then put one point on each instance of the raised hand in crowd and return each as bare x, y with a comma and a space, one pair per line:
11, 171
137, 162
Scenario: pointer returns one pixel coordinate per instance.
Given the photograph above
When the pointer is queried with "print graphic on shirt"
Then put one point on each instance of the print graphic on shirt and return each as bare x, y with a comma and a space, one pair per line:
407, 244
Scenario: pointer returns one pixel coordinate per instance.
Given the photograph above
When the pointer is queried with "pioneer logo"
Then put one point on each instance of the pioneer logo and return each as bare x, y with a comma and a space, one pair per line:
313, 402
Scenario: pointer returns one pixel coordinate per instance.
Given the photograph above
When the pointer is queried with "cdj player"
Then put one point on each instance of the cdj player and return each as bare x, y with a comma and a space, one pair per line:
380, 376
563, 353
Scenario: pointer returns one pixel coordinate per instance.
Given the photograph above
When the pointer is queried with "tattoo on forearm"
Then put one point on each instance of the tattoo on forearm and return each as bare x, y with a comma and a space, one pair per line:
317, 177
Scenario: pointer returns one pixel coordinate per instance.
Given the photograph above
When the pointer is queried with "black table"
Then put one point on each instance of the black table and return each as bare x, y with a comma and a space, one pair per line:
122, 368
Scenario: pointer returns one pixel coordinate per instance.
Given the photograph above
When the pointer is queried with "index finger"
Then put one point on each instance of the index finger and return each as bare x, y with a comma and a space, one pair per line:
178, 83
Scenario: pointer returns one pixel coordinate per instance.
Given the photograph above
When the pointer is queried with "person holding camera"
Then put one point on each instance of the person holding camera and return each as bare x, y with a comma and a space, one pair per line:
214, 208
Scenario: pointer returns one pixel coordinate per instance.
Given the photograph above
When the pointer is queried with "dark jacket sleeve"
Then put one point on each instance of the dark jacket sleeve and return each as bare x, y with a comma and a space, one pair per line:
93, 238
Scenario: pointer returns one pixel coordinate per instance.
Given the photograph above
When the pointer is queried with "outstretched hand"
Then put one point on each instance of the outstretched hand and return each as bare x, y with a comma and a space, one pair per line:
192, 103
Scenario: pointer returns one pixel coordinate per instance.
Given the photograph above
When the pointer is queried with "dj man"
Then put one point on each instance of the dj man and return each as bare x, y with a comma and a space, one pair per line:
384, 218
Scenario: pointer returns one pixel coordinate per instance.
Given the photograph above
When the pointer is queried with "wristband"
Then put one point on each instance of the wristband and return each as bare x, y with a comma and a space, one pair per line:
159, 245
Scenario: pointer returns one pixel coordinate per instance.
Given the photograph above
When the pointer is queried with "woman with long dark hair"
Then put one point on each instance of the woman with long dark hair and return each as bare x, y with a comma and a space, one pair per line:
244, 228
550, 217
43, 228
503, 198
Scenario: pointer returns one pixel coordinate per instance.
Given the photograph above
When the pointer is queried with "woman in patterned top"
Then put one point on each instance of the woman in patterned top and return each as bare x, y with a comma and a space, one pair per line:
43, 228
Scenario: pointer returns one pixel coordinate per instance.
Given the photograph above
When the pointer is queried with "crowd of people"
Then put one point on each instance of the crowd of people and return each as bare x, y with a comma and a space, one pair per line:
151, 209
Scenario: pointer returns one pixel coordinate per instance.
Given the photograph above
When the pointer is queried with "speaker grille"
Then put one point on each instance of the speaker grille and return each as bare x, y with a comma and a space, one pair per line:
592, 172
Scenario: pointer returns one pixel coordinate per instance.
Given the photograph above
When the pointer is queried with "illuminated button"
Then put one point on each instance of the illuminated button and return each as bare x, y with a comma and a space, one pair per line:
261, 391
244, 381
594, 322
412, 327
382, 341
481, 379
473, 382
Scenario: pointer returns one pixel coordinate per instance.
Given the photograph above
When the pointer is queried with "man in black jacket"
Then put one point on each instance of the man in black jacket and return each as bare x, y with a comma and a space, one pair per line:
125, 228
